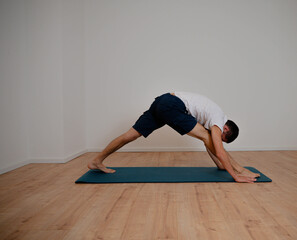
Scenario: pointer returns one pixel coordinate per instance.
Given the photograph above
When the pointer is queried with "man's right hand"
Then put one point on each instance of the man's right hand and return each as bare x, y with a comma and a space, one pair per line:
244, 179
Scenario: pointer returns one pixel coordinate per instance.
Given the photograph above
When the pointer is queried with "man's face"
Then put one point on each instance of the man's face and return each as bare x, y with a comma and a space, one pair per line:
225, 131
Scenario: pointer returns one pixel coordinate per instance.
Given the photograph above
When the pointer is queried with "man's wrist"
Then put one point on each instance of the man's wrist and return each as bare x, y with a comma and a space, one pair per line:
235, 177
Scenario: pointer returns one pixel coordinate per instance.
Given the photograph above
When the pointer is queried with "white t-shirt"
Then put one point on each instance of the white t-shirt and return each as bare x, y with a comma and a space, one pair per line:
206, 112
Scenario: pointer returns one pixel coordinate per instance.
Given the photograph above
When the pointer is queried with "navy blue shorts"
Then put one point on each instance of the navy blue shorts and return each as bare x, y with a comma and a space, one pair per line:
166, 109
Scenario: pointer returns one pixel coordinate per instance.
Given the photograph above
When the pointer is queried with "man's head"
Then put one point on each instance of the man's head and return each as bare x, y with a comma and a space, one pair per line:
230, 132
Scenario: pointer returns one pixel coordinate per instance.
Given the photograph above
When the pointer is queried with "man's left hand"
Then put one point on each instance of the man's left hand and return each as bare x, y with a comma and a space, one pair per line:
248, 173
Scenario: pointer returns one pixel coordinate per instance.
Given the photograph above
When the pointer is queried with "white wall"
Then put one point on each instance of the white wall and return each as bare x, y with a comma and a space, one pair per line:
13, 142
72, 32
241, 54
75, 74
44, 79
42, 88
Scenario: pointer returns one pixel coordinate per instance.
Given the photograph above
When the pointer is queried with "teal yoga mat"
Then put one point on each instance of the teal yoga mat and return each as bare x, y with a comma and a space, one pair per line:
162, 174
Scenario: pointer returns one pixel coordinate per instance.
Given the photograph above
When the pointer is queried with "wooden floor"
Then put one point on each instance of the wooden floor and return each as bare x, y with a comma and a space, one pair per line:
41, 201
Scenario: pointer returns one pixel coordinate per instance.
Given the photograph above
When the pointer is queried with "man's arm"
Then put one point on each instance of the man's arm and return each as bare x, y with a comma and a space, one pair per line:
211, 151
236, 167
223, 156
242, 170
205, 135
239, 170
215, 159
201, 133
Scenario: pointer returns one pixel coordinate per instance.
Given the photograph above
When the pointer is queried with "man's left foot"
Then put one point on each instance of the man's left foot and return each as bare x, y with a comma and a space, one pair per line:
97, 165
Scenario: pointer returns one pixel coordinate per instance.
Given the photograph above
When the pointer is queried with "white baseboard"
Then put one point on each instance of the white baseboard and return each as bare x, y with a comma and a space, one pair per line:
41, 160
14, 166
72, 156
158, 149
193, 149
57, 160
261, 149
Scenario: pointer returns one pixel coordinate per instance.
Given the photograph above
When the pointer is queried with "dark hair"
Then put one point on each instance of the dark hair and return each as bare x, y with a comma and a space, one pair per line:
233, 131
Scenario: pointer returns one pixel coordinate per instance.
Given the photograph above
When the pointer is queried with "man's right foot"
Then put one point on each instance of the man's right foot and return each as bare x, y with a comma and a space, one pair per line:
96, 165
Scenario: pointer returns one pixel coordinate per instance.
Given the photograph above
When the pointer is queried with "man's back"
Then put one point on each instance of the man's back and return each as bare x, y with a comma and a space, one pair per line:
206, 112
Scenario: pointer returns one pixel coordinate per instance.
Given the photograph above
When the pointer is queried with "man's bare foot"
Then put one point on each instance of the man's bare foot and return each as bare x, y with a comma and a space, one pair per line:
96, 165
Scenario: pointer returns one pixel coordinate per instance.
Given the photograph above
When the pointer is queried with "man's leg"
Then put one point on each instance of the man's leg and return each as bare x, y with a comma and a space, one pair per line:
215, 159
113, 146
204, 135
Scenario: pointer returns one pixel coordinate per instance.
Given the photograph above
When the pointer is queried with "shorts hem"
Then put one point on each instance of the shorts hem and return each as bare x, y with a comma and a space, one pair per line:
187, 131
145, 135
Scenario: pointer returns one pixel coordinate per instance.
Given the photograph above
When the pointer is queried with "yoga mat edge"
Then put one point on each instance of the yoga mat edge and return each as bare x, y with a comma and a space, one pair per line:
162, 175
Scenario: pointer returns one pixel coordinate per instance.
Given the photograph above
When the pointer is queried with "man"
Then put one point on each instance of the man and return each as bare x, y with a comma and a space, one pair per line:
187, 113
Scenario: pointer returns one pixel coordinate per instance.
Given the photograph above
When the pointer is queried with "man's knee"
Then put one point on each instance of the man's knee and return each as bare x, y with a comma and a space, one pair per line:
200, 132
131, 135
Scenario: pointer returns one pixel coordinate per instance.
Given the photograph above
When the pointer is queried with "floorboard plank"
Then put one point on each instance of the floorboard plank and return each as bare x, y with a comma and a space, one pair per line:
41, 201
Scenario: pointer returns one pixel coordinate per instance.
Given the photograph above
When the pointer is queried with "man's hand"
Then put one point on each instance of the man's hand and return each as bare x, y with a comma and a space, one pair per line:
247, 173
244, 179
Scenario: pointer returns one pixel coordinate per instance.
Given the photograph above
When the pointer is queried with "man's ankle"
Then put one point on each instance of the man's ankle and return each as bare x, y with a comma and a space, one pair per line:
100, 157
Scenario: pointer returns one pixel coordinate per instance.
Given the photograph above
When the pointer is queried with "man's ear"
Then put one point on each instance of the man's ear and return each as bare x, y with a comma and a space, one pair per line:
226, 128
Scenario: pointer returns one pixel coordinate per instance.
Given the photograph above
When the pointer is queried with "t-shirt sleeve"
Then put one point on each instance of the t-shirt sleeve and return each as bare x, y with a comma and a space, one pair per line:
218, 120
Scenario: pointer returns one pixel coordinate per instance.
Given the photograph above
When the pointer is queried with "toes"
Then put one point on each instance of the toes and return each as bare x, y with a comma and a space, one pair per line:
100, 167
106, 170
